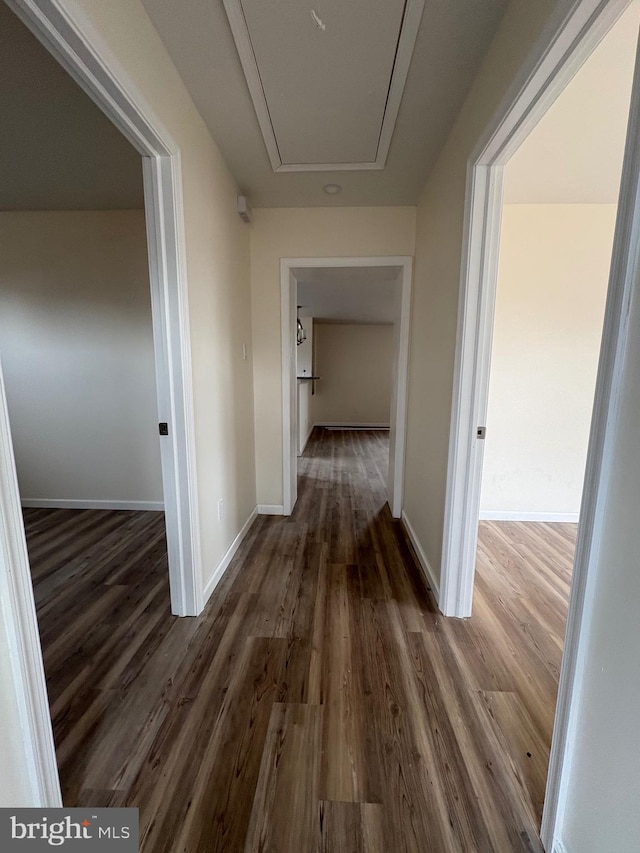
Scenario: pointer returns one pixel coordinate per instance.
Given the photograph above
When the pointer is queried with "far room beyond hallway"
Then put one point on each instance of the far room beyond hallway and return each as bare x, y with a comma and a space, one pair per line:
358, 364
348, 344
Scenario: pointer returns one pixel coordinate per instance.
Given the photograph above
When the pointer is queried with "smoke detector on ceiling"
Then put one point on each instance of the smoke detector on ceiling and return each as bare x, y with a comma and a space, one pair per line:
242, 206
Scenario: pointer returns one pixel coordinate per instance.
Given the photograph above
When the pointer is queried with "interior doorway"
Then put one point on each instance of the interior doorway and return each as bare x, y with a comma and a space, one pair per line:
162, 195
476, 323
394, 275
162, 191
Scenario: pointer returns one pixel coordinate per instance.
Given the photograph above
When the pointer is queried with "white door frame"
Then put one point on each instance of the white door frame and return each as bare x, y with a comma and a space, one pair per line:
565, 44
119, 99
564, 47
90, 65
289, 382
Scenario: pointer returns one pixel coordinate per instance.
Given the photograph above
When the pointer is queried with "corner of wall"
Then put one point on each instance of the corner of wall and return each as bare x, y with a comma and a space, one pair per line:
427, 570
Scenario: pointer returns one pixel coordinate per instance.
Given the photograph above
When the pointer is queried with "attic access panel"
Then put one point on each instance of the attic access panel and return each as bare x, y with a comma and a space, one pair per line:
326, 99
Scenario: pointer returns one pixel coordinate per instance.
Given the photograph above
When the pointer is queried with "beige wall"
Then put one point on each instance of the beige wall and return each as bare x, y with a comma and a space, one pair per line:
355, 363
77, 355
552, 283
217, 258
438, 260
303, 232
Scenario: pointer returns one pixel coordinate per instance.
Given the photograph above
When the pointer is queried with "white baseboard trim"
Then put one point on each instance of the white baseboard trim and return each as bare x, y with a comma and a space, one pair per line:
224, 562
422, 558
270, 509
306, 441
63, 503
336, 425
509, 515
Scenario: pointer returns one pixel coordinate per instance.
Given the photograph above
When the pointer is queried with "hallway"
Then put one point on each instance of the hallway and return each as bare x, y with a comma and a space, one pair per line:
321, 703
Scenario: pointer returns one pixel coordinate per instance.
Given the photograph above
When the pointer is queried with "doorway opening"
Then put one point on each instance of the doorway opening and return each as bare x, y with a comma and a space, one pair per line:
169, 362
358, 304
522, 338
165, 239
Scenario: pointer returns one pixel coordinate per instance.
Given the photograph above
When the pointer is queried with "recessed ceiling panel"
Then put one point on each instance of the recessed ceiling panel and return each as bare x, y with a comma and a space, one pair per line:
452, 39
326, 76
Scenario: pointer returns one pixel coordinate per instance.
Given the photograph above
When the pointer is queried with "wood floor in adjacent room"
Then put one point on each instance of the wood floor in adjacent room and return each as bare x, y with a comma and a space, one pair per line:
320, 705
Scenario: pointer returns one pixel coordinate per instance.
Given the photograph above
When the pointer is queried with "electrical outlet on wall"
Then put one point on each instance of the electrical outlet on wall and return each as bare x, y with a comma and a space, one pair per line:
220, 509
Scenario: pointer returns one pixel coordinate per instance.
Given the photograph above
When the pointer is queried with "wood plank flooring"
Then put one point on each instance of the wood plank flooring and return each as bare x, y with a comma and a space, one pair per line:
320, 703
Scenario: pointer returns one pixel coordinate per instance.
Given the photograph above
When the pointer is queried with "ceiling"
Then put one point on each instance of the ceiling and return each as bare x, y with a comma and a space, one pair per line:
57, 150
574, 154
348, 294
452, 39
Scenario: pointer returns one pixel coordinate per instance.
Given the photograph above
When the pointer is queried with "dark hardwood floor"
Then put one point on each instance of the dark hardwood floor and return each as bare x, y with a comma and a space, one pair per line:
320, 704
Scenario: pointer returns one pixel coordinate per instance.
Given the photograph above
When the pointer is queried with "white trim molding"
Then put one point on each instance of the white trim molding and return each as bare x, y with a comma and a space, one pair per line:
270, 509
565, 44
171, 335
338, 425
404, 51
475, 315
92, 67
623, 285
306, 441
288, 306
23, 639
425, 565
518, 515
223, 565
64, 503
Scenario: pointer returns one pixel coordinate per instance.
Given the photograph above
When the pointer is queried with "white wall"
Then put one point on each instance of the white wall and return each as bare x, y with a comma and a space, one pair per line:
304, 359
305, 421
303, 233
438, 259
552, 283
304, 351
355, 363
77, 354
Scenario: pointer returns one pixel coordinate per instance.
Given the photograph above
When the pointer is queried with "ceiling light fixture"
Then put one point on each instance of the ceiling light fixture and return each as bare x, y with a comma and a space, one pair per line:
332, 189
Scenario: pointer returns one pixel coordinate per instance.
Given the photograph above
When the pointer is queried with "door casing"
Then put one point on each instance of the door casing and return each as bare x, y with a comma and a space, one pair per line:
567, 42
92, 67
